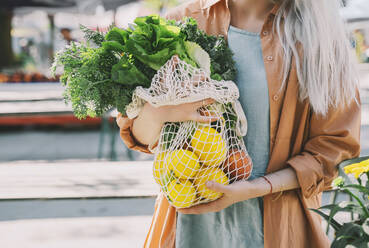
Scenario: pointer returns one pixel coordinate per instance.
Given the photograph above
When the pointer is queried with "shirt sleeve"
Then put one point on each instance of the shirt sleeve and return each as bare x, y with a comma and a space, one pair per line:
125, 126
331, 140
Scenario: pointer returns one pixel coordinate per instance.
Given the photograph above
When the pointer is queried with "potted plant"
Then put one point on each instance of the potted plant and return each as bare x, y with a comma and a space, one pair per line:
356, 232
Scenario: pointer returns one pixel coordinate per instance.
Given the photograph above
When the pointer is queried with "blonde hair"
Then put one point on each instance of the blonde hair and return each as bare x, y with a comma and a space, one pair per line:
327, 71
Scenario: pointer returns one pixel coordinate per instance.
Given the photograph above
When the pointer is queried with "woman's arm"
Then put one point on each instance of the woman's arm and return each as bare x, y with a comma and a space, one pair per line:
332, 139
143, 130
243, 190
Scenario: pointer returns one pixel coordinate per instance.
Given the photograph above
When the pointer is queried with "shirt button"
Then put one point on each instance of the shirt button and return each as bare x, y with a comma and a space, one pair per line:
269, 58
275, 97
265, 33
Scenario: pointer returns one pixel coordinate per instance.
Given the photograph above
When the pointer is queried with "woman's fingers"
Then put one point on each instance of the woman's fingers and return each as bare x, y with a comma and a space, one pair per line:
200, 114
203, 118
214, 186
191, 112
199, 78
203, 103
214, 206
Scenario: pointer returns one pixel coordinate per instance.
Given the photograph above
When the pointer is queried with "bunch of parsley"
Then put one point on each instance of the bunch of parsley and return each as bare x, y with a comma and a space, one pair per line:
102, 73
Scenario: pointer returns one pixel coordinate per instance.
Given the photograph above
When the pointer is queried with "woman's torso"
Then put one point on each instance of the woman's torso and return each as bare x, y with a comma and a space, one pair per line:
240, 225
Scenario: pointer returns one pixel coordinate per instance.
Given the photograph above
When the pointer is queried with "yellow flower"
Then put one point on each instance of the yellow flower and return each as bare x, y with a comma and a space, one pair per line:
358, 168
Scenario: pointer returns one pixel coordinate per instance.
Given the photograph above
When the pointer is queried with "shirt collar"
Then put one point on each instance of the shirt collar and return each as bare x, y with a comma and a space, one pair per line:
205, 4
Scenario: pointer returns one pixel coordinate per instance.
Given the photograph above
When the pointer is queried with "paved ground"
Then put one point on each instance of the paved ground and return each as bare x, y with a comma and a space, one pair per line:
112, 232
12, 210
75, 223
75, 204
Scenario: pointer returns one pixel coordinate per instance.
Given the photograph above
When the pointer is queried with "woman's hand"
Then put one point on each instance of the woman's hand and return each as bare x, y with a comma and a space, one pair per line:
179, 113
147, 125
281, 180
233, 193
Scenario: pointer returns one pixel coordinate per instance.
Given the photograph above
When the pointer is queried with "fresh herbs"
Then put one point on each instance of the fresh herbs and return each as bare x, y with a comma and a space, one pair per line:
103, 73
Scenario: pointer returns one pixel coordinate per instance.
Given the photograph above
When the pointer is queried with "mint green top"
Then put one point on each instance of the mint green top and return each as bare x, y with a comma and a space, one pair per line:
240, 225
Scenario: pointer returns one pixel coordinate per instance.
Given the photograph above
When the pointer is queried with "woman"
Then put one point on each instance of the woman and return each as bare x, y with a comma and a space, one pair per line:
298, 88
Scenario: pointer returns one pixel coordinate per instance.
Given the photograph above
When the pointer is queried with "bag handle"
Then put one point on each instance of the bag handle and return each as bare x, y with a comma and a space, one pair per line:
241, 125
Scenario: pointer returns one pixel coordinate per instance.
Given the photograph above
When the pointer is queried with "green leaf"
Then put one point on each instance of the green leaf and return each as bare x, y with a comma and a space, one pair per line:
113, 46
365, 226
349, 233
91, 35
155, 60
336, 226
343, 207
118, 35
126, 73
170, 131
361, 188
142, 20
359, 201
222, 63
197, 54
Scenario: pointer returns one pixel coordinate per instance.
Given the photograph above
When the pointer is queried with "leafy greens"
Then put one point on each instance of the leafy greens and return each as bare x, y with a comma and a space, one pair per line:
103, 73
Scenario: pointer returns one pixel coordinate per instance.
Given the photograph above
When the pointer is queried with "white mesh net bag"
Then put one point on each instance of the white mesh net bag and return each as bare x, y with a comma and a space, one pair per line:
188, 154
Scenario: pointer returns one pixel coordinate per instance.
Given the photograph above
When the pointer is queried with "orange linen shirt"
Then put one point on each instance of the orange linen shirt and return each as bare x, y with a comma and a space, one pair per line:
310, 144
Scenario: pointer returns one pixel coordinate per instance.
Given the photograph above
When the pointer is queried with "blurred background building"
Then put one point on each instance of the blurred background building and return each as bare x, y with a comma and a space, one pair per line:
70, 182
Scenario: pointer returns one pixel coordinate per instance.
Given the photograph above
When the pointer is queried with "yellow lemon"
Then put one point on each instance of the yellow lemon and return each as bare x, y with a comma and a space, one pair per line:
181, 193
162, 175
210, 174
209, 145
183, 163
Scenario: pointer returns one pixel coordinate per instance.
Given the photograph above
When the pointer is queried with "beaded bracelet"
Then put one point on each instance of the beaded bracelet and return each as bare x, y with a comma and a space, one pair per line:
271, 186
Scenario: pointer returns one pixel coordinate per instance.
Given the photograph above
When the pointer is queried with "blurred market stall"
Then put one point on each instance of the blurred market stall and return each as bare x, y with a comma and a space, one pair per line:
31, 32
356, 13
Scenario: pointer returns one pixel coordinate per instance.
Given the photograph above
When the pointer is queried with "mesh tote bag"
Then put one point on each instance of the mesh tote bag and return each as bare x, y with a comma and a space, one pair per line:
188, 154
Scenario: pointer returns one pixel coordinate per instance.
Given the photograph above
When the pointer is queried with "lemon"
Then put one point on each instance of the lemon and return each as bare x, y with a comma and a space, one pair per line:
210, 174
162, 175
182, 193
183, 163
209, 145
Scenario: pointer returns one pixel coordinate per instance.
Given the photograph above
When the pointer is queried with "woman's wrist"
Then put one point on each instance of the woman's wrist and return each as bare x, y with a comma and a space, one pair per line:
146, 127
260, 187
